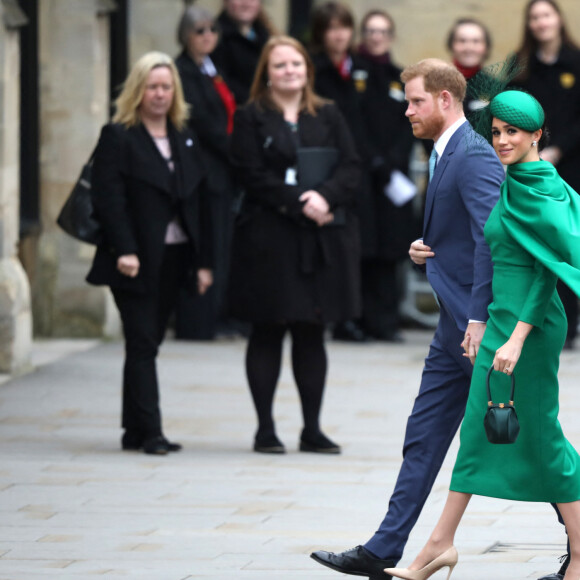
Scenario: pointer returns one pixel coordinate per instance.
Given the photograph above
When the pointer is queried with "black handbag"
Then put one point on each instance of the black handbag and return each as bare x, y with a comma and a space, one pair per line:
501, 420
76, 216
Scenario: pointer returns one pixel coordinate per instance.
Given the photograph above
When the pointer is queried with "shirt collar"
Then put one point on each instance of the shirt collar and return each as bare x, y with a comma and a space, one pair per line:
442, 142
207, 67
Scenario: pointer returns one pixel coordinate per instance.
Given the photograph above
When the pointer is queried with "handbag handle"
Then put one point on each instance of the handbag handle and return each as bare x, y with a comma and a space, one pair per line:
490, 402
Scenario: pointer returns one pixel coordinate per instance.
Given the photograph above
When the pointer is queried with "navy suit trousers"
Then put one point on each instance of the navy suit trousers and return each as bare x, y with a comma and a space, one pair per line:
436, 416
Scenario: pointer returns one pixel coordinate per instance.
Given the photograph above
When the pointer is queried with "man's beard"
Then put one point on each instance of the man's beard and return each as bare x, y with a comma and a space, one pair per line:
431, 126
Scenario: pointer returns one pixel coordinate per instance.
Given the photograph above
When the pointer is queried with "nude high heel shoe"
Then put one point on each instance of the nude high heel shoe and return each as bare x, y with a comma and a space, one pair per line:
447, 559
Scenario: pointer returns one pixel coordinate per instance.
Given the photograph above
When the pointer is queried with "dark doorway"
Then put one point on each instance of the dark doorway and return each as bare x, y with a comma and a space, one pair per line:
119, 55
299, 19
29, 122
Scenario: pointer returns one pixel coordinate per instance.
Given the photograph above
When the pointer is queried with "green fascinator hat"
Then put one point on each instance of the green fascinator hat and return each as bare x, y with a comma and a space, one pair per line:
488, 90
518, 109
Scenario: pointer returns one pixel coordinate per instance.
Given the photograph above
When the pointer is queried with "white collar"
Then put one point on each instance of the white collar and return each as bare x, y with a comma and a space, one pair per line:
442, 142
207, 67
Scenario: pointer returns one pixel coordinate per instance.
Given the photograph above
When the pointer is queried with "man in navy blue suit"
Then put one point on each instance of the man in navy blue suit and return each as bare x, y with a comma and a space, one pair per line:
465, 177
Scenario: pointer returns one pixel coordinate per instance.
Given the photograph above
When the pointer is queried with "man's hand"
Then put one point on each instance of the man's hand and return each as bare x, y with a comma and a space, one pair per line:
419, 252
472, 340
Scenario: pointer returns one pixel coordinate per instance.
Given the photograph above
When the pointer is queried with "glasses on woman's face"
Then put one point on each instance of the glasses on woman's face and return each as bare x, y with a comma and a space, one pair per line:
383, 32
203, 29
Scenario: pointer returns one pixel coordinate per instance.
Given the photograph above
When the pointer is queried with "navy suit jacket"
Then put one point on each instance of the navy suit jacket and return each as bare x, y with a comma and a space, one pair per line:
463, 191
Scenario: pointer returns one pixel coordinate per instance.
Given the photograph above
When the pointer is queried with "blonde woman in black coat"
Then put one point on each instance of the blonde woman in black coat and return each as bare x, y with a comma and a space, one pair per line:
294, 268
149, 195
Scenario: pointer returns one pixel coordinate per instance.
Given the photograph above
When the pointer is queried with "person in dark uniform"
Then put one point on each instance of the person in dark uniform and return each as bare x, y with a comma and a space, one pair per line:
552, 74
244, 28
388, 225
469, 43
149, 195
342, 76
211, 118
294, 268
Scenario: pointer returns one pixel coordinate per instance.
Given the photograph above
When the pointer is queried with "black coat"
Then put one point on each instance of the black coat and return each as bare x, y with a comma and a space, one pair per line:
237, 56
135, 196
209, 121
557, 88
347, 94
387, 229
383, 139
284, 269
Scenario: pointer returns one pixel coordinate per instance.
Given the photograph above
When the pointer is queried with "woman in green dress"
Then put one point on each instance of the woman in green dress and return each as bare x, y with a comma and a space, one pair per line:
534, 236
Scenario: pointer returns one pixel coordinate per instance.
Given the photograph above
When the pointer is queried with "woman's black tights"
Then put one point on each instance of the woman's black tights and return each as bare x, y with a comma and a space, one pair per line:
263, 362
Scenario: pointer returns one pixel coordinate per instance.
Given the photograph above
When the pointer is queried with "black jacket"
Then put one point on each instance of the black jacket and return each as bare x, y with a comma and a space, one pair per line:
557, 88
347, 94
209, 121
135, 196
237, 56
282, 269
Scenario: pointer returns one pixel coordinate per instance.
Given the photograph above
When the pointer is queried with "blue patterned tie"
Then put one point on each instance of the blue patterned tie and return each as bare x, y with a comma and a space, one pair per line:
432, 163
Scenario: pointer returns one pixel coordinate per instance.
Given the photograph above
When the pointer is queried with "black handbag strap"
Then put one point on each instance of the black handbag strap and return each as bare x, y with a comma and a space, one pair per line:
487, 380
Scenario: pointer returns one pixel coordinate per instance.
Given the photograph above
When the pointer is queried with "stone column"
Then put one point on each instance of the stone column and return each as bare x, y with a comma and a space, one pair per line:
15, 315
74, 85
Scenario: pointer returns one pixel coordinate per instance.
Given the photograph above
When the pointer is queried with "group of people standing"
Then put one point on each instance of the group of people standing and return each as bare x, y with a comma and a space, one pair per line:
304, 145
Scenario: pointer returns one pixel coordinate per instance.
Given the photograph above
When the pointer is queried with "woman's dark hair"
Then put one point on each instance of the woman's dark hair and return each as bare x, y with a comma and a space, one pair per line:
460, 22
529, 44
320, 21
377, 12
545, 138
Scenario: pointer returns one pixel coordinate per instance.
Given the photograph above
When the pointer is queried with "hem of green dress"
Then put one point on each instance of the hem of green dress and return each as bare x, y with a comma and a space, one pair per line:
495, 494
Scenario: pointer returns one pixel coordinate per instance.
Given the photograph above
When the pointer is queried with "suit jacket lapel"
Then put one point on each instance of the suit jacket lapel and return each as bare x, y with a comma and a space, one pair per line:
153, 167
189, 171
438, 174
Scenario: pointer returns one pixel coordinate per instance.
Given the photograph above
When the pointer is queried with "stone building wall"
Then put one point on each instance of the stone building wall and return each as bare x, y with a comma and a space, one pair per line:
74, 85
15, 313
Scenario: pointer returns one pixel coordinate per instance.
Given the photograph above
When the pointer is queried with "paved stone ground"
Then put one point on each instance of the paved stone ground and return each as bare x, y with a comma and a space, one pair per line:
73, 506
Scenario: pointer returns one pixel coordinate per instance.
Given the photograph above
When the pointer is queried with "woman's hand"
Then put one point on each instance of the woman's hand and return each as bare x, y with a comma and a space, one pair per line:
204, 280
128, 265
507, 356
316, 207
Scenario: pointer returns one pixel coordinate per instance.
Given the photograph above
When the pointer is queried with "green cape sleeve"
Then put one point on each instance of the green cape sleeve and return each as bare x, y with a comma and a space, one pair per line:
542, 212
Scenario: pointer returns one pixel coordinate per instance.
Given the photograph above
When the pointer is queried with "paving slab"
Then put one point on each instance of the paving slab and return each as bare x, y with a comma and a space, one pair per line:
73, 506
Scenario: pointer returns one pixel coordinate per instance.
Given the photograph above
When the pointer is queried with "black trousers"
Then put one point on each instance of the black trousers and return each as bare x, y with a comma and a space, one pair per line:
144, 318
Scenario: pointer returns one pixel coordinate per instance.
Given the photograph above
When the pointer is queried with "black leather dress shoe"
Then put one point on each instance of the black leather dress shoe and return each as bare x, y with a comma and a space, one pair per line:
565, 559
356, 562
349, 331
160, 446
131, 441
